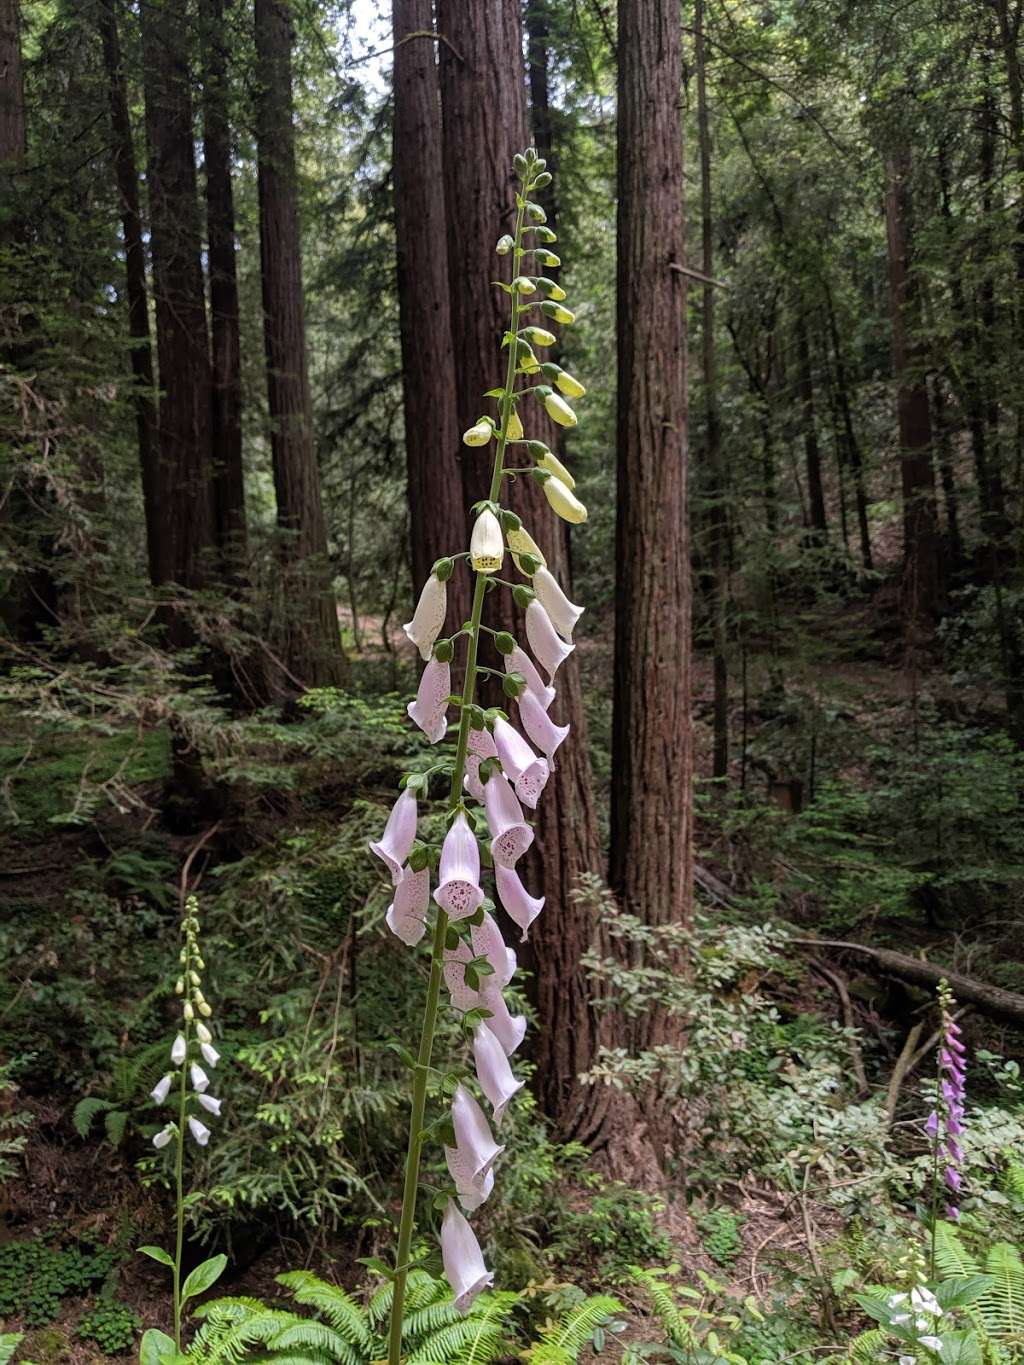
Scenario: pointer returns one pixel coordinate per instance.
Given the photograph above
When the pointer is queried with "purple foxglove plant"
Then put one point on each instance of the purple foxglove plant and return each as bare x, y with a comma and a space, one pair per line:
945, 1124
493, 771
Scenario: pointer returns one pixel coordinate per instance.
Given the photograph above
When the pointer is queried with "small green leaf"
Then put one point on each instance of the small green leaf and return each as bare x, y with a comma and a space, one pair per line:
203, 1277
157, 1254
377, 1266
157, 1348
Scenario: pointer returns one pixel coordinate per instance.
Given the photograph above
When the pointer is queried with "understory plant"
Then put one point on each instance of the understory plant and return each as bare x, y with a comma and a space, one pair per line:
497, 768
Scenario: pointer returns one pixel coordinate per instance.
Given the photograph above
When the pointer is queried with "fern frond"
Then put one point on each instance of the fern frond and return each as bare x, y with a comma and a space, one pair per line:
225, 1337
951, 1256
346, 1316
420, 1290
1002, 1305
666, 1309
318, 1338
561, 1342
869, 1347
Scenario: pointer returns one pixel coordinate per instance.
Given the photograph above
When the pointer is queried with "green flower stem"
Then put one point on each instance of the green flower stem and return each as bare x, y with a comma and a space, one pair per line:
406, 1224
179, 1183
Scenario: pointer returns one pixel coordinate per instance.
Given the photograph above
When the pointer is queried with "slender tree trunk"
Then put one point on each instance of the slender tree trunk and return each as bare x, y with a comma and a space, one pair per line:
183, 484
12, 108
921, 547
850, 442
127, 177
311, 643
945, 462
433, 446
718, 538
651, 867
818, 521
228, 474
996, 522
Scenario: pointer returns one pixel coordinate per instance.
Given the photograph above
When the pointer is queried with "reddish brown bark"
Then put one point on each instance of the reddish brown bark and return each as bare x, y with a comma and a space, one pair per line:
921, 541
12, 95
310, 640
225, 329
652, 757
126, 175
433, 447
183, 488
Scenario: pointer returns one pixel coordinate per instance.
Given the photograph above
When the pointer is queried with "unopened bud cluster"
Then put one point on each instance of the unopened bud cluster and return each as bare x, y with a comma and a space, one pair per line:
193, 1042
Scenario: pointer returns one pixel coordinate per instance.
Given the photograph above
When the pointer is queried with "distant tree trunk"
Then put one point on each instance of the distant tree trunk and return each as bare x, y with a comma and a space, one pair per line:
947, 478
849, 435
651, 866
818, 521
996, 523
228, 474
183, 484
433, 447
311, 639
485, 124
127, 177
921, 547
718, 533
12, 101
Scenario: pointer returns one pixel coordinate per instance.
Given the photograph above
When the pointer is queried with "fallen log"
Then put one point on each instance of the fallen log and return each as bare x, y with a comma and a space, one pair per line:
992, 1000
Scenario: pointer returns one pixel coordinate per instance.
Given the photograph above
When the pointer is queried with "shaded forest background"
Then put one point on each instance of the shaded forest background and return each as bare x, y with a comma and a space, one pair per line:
245, 315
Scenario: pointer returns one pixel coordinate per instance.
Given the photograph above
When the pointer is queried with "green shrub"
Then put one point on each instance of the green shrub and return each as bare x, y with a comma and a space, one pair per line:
111, 1325
34, 1278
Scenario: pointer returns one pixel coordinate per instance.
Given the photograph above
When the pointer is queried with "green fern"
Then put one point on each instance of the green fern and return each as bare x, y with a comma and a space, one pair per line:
1014, 1180
561, 1341
869, 1347
998, 1312
676, 1324
8, 1341
347, 1318
951, 1256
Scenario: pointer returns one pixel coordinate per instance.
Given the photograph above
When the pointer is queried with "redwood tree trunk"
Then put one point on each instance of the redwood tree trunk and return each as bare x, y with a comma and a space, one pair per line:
921, 541
433, 448
127, 177
311, 642
183, 485
652, 757
12, 97
818, 520
228, 475
483, 99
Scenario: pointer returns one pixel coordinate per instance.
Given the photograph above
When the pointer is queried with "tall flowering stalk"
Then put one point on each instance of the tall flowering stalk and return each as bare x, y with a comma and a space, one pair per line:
945, 1124
500, 765
187, 1087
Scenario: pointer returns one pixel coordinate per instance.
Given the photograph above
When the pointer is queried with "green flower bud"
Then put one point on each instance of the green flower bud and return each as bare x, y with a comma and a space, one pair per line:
509, 521
529, 564
547, 258
419, 857
520, 164
504, 643
545, 234
512, 684
528, 362
188, 1011
543, 180
522, 595
205, 1010
553, 291
443, 569
522, 284
444, 651
570, 386
551, 371
504, 245
179, 986
539, 336
535, 213
558, 313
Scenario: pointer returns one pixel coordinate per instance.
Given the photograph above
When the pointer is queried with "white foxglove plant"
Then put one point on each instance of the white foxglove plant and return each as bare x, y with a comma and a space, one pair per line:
495, 770
186, 1089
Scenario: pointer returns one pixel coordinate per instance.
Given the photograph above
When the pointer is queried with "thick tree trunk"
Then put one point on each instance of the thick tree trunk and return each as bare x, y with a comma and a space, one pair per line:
921, 545
849, 436
433, 447
718, 533
483, 99
651, 867
12, 99
127, 177
311, 642
818, 520
183, 487
228, 474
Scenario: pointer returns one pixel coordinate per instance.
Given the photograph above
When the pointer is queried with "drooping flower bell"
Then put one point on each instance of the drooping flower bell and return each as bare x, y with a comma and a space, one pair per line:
428, 618
511, 836
549, 649
407, 914
487, 545
161, 1090
471, 1160
179, 1050
550, 462
211, 1105
479, 747
563, 614
559, 411
479, 434
463, 1260
493, 1071
487, 992
564, 502
164, 1136
199, 1131
520, 662
399, 835
572, 388
520, 542
519, 905
459, 893
429, 709
525, 770
540, 728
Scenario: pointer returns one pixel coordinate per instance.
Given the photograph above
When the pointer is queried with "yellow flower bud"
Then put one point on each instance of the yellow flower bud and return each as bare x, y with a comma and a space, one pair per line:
564, 502
504, 245
522, 284
478, 435
559, 410
486, 546
515, 427
560, 314
572, 388
528, 362
539, 336
520, 542
554, 465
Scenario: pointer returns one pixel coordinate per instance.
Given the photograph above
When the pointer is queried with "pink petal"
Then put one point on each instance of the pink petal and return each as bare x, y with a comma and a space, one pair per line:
519, 905
488, 942
511, 835
459, 893
464, 998
399, 835
541, 729
481, 746
520, 662
493, 1071
475, 1151
508, 1028
548, 649
429, 708
428, 618
407, 913
463, 1260
520, 764
562, 613
472, 1193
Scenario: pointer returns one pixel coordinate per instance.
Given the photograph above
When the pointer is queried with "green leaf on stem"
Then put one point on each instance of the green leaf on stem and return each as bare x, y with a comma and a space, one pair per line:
203, 1277
157, 1254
